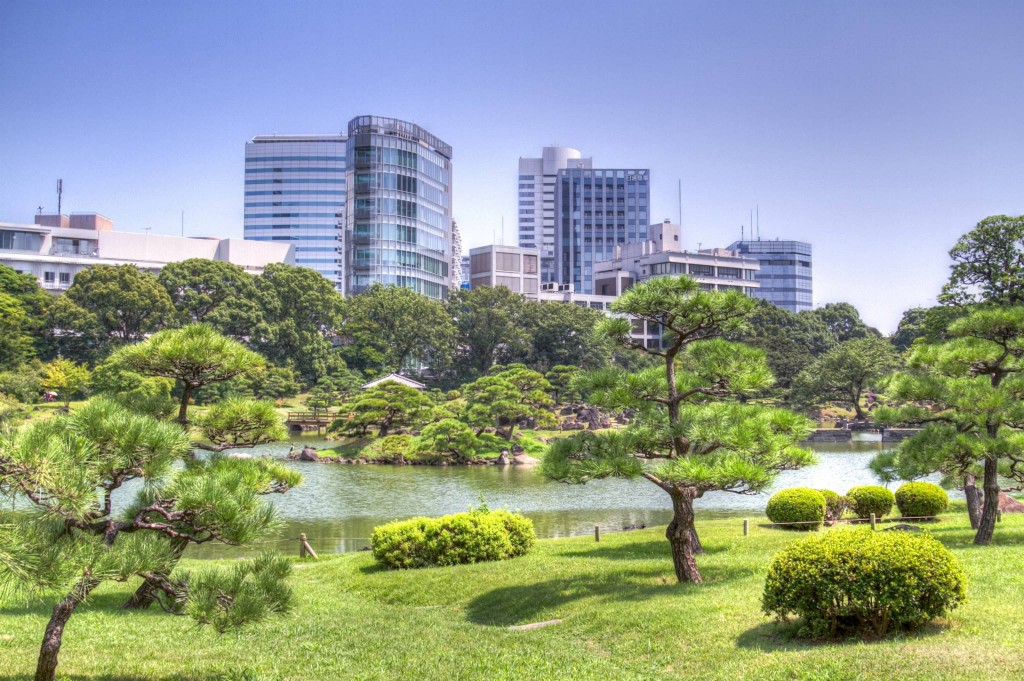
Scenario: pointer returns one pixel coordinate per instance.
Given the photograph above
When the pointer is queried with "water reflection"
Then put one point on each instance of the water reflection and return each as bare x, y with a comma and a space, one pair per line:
338, 505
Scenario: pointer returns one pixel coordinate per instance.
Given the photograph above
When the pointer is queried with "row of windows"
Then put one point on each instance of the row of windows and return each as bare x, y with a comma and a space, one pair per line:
526, 185
249, 171
287, 237
389, 257
297, 192
430, 289
527, 177
295, 215
277, 180
293, 204
322, 159
526, 211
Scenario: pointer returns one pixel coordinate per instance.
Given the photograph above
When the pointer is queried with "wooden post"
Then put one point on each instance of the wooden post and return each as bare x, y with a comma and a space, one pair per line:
872, 521
597, 533
746, 527
304, 548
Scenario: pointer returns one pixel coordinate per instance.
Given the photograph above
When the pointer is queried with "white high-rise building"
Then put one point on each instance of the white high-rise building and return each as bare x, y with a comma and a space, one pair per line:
537, 179
295, 194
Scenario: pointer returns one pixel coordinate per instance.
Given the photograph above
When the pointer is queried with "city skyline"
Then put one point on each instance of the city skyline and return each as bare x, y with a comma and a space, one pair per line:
878, 133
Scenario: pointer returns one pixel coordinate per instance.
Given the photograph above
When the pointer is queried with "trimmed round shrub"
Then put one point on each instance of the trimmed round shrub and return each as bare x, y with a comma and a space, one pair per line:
835, 505
870, 499
473, 537
921, 500
859, 582
797, 505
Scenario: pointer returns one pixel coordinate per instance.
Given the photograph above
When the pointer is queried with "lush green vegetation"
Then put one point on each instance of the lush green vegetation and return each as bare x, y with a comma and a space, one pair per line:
921, 499
865, 583
473, 537
866, 500
800, 505
624, 617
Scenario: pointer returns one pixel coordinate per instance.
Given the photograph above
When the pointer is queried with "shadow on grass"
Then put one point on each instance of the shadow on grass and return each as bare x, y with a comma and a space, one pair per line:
525, 603
110, 602
782, 636
653, 549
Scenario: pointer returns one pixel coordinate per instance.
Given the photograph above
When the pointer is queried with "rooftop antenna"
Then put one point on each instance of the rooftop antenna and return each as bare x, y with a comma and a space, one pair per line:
758, 208
147, 229
60, 192
680, 203
40, 209
742, 232
502, 230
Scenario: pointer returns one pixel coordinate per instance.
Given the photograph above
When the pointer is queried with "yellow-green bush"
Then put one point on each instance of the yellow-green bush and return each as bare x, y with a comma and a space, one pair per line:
797, 505
856, 581
835, 505
921, 500
869, 499
473, 537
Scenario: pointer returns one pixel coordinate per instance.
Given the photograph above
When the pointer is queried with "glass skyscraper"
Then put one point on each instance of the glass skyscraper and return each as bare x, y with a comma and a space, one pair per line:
596, 209
398, 225
295, 192
785, 274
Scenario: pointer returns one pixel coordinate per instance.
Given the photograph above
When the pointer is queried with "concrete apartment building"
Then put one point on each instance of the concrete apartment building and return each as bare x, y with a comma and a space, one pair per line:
295, 194
57, 247
786, 275
537, 180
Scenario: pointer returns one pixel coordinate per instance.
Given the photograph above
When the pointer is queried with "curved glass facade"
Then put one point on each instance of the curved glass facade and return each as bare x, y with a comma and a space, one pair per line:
398, 221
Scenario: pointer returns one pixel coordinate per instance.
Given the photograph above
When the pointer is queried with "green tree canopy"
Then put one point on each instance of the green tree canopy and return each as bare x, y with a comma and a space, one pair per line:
685, 412
968, 394
491, 328
23, 321
843, 320
386, 406
389, 328
66, 378
504, 399
67, 470
221, 294
846, 371
194, 356
121, 302
790, 341
561, 334
988, 264
303, 310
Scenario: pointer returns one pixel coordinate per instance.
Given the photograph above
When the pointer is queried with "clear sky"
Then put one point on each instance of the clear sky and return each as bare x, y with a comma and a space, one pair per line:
878, 131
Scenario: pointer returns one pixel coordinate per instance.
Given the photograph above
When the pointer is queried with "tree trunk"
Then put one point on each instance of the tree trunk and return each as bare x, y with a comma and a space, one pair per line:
856, 405
973, 501
46, 666
695, 540
990, 508
682, 535
148, 591
186, 395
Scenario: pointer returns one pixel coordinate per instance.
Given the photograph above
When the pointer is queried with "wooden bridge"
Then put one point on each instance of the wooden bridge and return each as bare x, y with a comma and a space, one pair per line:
309, 420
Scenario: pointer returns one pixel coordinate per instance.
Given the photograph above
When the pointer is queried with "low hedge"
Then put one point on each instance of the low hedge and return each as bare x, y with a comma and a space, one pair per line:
797, 505
921, 500
860, 582
473, 537
870, 499
389, 448
835, 505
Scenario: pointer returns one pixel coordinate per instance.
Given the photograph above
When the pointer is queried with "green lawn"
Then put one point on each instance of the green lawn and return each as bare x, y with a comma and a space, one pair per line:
623, 618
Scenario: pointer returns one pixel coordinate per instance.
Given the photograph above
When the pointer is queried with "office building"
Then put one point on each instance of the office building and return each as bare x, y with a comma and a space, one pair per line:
57, 247
515, 268
398, 221
295, 194
785, 276
595, 211
715, 269
537, 179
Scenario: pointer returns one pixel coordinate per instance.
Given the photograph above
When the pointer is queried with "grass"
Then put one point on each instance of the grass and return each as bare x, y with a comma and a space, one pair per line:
623, 618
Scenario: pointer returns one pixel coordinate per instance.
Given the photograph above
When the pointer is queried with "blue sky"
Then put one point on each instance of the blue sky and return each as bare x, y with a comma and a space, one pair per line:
878, 131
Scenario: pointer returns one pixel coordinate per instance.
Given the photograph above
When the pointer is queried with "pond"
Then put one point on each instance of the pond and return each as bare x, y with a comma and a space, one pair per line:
338, 505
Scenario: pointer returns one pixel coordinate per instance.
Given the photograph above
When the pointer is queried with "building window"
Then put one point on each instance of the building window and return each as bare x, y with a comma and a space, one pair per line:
48, 277
530, 264
702, 270
65, 278
507, 262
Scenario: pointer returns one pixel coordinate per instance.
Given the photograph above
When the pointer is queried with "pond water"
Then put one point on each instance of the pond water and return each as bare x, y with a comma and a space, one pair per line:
338, 505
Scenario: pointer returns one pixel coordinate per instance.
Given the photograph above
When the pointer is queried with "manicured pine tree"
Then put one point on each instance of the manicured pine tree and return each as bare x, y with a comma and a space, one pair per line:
687, 411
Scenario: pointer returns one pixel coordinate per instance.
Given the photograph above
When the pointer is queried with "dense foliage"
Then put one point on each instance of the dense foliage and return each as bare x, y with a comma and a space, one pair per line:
868, 499
835, 506
921, 499
473, 537
800, 505
863, 583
